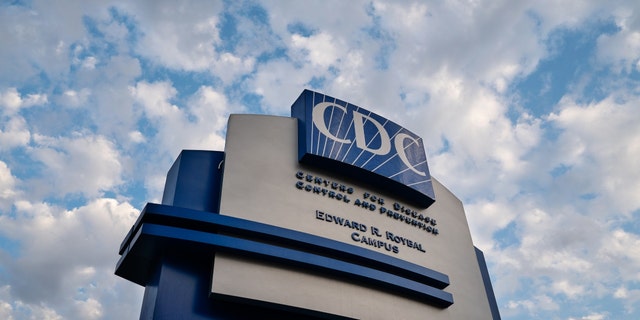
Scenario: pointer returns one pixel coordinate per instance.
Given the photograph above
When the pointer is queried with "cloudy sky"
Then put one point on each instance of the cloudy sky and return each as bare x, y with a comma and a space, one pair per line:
529, 111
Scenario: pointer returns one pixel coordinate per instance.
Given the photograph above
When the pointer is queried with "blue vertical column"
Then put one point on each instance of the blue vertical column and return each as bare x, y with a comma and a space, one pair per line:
180, 279
194, 181
493, 305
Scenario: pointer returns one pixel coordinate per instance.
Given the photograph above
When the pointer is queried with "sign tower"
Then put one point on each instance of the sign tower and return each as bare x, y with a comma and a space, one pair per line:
330, 213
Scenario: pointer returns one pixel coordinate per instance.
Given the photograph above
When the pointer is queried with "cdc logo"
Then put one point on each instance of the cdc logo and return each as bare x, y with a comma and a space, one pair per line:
353, 141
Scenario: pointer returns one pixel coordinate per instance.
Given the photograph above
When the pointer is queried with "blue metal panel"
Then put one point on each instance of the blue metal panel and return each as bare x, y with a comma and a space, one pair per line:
350, 140
178, 289
151, 238
495, 312
208, 222
162, 228
194, 180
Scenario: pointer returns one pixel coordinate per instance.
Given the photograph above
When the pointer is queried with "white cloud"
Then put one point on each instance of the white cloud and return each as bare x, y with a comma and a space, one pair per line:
165, 41
337, 17
534, 305
569, 289
12, 101
82, 164
186, 38
353, 73
65, 260
211, 108
485, 43
43, 312
136, 137
228, 67
6, 311
485, 150
278, 83
74, 98
622, 48
89, 309
569, 14
319, 49
601, 142
14, 133
102, 93
7, 186
200, 124
622, 249
592, 316
485, 218
569, 231
154, 98
630, 298
36, 36
89, 63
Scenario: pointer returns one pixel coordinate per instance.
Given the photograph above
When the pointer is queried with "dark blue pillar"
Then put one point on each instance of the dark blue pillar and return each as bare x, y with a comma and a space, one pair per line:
179, 288
194, 181
493, 305
181, 278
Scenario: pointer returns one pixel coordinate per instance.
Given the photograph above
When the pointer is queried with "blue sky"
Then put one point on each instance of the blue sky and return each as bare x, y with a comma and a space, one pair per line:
528, 111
